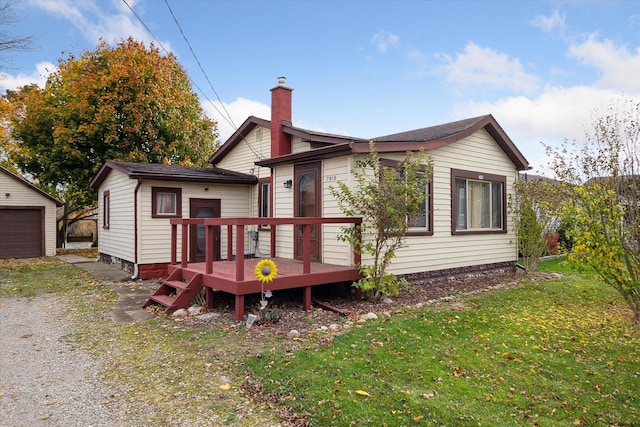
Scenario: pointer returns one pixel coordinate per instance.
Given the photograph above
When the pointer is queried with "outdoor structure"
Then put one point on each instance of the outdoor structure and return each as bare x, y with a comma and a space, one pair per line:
27, 218
466, 228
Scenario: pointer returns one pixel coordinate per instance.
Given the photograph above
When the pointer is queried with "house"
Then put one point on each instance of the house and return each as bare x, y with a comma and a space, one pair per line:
136, 201
27, 218
275, 171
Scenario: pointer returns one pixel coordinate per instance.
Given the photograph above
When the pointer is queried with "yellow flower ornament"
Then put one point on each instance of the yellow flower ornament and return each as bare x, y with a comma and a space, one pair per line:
266, 271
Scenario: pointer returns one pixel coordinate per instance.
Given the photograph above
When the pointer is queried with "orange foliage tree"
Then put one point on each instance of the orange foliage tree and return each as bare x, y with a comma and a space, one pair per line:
127, 102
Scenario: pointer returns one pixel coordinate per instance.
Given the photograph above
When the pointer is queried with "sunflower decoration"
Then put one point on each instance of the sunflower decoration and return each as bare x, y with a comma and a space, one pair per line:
266, 271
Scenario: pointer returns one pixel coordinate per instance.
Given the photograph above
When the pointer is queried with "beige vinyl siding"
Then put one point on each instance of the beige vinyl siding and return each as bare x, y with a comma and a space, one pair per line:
23, 195
255, 146
334, 251
298, 145
478, 153
154, 245
118, 239
283, 207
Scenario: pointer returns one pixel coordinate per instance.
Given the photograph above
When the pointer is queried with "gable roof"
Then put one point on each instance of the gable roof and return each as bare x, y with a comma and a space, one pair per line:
23, 181
162, 172
427, 138
238, 136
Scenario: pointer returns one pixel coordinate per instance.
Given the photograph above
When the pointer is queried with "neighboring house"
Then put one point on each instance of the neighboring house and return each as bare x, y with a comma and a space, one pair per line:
136, 200
289, 171
27, 218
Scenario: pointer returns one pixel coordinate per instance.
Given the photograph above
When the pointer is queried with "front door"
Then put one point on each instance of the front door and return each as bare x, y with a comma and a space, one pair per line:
203, 208
307, 203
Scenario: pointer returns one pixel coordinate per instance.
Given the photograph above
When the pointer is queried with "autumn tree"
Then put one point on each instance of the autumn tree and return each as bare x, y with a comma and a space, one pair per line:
390, 198
127, 102
536, 216
602, 187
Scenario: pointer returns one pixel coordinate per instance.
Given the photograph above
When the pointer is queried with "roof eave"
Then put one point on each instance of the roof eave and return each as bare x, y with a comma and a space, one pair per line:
237, 137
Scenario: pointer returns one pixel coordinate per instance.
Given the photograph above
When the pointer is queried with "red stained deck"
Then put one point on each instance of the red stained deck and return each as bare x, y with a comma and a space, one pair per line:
235, 275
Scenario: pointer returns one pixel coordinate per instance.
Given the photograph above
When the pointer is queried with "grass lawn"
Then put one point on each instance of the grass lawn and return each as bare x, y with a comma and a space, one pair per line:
551, 352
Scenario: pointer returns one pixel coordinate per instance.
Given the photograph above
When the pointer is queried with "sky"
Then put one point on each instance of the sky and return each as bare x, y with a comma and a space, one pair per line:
543, 69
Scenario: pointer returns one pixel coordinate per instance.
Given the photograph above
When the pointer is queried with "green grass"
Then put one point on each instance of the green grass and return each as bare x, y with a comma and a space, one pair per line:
555, 352
550, 352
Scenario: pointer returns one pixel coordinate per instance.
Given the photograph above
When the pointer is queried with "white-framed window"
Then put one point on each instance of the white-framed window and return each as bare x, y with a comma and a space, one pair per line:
264, 199
478, 201
166, 202
106, 209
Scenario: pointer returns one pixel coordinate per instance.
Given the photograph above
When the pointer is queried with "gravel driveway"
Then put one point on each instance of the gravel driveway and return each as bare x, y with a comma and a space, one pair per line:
45, 380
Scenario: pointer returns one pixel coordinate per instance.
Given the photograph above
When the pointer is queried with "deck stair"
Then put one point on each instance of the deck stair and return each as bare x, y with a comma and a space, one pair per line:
176, 291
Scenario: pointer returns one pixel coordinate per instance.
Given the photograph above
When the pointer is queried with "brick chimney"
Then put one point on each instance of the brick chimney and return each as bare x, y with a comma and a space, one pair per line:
280, 111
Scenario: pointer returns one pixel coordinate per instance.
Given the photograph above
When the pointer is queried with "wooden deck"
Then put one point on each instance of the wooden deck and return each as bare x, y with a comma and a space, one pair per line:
235, 275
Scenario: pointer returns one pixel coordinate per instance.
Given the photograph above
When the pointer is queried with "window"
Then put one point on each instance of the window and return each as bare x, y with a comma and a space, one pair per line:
478, 202
264, 199
106, 209
166, 202
422, 224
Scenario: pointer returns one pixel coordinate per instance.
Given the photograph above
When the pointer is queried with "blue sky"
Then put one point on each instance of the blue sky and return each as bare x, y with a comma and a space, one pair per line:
369, 68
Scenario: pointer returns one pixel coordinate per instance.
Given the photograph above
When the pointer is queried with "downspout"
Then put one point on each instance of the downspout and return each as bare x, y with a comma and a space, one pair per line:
135, 230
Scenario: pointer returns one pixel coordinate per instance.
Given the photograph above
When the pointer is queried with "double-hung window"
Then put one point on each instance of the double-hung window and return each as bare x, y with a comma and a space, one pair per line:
264, 199
106, 210
166, 202
478, 201
422, 224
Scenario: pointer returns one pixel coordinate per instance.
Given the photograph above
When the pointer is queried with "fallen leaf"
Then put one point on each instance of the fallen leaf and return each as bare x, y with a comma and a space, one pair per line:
362, 393
225, 386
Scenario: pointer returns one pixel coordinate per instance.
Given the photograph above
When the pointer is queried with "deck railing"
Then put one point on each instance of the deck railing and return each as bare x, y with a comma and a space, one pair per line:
239, 225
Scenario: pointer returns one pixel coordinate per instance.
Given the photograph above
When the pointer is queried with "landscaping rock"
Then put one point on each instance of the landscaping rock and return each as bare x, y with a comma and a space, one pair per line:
293, 334
194, 310
182, 312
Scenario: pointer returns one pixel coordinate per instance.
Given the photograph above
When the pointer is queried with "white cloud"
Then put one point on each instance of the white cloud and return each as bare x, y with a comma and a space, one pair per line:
486, 67
619, 67
549, 24
96, 20
384, 40
39, 76
239, 110
555, 115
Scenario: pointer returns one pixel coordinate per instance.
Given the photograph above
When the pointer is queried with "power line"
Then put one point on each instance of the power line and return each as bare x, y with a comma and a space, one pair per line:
226, 117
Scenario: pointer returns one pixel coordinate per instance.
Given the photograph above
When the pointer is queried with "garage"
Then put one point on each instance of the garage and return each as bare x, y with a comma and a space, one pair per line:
27, 218
22, 232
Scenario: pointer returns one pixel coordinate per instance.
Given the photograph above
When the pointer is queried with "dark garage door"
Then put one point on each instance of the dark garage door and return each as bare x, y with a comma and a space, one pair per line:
21, 233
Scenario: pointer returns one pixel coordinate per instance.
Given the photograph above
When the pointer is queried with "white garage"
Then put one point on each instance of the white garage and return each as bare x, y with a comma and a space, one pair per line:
27, 218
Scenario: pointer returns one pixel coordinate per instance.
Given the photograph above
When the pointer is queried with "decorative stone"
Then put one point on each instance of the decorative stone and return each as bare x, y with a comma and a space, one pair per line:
293, 334
334, 327
206, 317
419, 305
323, 328
387, 300
182, 312
194, 310
369, 316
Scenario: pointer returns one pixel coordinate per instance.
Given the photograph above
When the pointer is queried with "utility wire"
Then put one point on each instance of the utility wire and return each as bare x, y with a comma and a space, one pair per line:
226, 117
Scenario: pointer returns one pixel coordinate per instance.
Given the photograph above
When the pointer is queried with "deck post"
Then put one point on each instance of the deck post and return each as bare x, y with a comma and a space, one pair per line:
239, 307
208, 257
208, 297
306, 298
174, 243
185, 245
272, 249
306, 249
239, 253
229, 242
